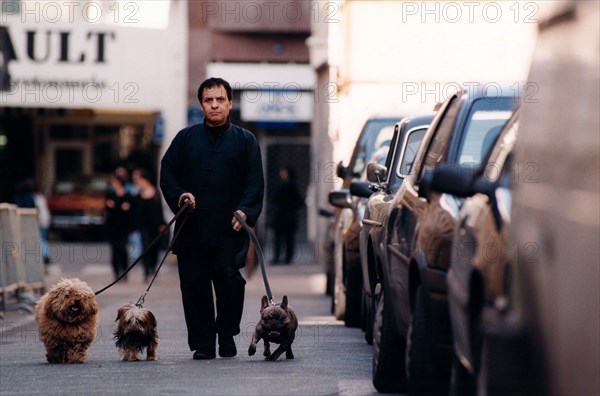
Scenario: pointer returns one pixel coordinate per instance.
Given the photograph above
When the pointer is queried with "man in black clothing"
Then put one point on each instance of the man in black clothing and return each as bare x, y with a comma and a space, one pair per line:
217, 166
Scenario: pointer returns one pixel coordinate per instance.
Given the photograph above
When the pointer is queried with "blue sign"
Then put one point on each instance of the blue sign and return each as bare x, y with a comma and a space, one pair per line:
159, 129
195, 115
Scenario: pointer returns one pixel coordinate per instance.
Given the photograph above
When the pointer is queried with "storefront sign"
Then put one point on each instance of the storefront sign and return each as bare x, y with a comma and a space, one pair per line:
55, 57
286, 105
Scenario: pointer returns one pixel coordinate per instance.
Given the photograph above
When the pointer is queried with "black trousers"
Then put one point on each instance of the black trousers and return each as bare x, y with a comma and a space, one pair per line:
119, 257
201, 268
285, 235
151, 257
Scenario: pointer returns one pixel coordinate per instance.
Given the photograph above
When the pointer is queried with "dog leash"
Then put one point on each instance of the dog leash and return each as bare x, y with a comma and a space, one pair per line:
142, 298
181, 211
259, 254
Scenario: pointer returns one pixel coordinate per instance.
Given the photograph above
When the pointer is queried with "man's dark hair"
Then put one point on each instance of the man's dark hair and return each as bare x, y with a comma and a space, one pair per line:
215, 82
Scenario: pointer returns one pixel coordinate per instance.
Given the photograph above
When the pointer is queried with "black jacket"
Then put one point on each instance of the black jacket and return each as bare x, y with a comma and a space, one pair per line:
224, 176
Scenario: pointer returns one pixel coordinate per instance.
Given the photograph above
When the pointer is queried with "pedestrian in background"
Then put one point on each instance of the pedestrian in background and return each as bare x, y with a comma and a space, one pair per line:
134, 240
27, 197
217, 166
286, 203
119, 209
149, 219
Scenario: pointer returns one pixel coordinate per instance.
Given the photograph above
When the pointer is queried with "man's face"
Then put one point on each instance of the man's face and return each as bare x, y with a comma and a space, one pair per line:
215, 105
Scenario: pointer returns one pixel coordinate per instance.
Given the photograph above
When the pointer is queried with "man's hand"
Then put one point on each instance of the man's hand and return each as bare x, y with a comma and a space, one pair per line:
235, 223
190, 198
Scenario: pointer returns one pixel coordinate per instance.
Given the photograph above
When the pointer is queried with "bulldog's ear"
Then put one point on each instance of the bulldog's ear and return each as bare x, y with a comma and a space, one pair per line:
264, 303
284, 303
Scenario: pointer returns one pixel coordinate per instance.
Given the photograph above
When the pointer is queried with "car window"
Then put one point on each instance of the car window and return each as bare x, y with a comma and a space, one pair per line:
438, 147
412, 146
97, 185
64, 187
382, 145
485, 121
366, 144
497, 159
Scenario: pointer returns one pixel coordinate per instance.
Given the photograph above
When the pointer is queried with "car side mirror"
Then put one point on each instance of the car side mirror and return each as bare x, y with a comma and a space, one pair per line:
485, 186
376, 173
326, 213
340, 198
451, 179
341, 171
361, 188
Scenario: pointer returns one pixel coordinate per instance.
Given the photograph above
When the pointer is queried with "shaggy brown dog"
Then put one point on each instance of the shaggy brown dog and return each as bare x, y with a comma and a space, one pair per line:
66, 318
136, 330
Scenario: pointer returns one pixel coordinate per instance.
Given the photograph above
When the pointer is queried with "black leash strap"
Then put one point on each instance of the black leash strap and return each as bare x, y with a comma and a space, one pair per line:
259, 253
142, 298
181, 211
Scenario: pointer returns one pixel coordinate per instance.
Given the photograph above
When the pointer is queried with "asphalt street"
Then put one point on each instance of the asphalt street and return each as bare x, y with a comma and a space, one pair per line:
330, 359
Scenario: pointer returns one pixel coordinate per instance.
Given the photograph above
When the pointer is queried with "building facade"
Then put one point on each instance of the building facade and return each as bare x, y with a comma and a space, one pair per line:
260, 48
87, 86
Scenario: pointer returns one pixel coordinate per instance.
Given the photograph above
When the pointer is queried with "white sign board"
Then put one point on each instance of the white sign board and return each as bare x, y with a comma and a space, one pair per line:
277, 106
56, 55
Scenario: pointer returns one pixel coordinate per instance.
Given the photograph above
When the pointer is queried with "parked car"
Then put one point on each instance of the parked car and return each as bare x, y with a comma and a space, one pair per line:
546, 339
385, 180
77, 206
343, 264
413, 274
477, 284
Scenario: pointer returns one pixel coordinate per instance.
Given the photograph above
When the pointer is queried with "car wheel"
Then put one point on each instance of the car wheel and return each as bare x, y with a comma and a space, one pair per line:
462, 382
353, 286
339, 302
423, 377
338, 298
481, 385
389, 373
329, 284
367, 319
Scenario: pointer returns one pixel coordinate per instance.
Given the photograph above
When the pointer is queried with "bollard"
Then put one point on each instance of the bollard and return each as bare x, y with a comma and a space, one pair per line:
31, 256
12, 271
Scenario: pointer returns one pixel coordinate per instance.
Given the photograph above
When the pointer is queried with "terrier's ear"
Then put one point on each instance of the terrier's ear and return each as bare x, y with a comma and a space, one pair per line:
264, 303
284, 303
120, 313
151, 318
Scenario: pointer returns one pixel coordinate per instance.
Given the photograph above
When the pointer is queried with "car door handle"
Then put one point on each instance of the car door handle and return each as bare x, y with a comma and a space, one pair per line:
372, 223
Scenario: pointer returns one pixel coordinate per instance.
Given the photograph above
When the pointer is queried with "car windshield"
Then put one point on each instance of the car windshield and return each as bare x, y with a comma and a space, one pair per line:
483, 126
89, 185
376, 131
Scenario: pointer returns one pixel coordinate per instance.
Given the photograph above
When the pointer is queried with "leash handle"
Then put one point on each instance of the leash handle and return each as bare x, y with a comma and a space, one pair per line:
182, 210
259, 253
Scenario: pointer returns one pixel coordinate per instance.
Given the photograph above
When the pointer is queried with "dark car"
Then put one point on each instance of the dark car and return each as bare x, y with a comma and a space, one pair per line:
385, 180
343, 263
477, 284
546, 341
422, 223
77, 206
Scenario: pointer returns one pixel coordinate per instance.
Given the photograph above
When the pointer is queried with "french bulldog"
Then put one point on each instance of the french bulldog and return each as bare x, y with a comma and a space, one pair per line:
278, 324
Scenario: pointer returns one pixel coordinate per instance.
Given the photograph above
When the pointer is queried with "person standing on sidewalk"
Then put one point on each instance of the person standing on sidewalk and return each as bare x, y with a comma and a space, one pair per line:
287, 201
119, 222
217, 166
149, 219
